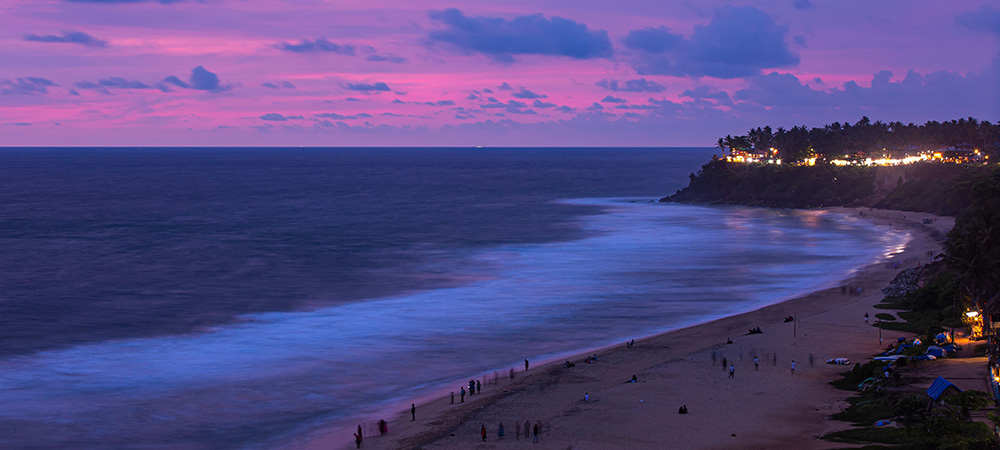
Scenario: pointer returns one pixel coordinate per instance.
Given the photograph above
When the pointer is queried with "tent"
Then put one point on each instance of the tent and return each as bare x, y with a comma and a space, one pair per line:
940, 387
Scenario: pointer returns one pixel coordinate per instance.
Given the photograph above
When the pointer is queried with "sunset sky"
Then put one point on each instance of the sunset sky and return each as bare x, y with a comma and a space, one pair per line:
462, 73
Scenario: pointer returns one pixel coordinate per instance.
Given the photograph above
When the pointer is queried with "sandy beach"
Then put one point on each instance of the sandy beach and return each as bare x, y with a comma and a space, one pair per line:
757, 407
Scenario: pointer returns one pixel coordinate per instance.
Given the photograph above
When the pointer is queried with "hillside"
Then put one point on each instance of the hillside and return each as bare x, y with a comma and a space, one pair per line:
942, 189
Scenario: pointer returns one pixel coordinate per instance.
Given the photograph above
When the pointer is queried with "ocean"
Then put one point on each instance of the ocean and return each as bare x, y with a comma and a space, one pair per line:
241, 298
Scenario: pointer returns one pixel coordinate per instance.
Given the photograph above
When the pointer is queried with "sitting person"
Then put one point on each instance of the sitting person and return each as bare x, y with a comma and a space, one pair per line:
789, 319
633, 380
683, 410
729, 340
569, 364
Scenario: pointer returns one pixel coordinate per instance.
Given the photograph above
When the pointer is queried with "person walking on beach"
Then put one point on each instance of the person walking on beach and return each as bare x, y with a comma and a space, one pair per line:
511, 374
479, 387
357, 440
359, 432
413, 412
483, 432
793, 367
463, 395
500, 432
732, 370
586, 396
725, 362
525, 365
472, 387
756, 363
534, 437
452, 397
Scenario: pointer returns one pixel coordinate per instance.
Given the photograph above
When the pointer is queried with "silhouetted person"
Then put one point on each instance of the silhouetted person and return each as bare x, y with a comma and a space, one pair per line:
479, 387
500, 431
463, 395
526, 365
483, 432
413, 412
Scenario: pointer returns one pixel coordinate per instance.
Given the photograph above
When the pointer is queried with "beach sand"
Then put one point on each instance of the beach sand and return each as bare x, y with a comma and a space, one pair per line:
766, 408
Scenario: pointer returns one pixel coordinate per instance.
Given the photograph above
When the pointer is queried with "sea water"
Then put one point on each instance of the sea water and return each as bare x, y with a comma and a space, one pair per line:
241, 298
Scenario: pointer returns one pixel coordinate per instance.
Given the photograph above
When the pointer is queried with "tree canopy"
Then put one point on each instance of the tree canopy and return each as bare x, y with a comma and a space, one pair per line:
866, 137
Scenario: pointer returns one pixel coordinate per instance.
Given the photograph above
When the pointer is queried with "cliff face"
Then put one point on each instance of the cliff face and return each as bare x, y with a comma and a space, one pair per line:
937, 188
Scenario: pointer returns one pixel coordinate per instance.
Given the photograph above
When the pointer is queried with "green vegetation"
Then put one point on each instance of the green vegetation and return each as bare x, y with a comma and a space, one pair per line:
929, 309
915, 427
944, 189
782, 186
865, 137
973, 247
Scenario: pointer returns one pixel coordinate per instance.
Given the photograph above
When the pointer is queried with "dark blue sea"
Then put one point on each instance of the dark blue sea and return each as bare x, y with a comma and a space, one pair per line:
242, 298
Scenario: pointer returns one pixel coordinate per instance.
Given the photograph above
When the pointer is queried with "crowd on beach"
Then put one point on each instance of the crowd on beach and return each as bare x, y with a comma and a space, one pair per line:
528, 430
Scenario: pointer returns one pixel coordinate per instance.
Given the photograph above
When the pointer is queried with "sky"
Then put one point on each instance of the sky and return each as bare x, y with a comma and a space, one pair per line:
559, 73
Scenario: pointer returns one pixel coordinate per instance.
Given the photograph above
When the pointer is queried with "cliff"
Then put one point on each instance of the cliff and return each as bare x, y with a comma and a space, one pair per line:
937, 188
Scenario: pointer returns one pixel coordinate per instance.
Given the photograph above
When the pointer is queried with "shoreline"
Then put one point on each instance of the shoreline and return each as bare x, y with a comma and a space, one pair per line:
650, 359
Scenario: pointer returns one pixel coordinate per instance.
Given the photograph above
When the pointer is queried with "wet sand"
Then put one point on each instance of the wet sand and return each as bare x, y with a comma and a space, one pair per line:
765, 407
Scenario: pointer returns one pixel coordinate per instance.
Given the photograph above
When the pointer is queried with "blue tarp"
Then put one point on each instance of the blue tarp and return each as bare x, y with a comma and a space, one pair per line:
936, 351
939, 386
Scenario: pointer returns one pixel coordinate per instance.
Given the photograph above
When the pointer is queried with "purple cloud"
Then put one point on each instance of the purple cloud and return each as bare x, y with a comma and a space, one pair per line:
377, 86
336, 116
321, 45
26, 86
68, 37
653, 40
986, 18
802, 5
387, 58
201, 79
526, 94
637, 85
524, 35
123, 1
284, 84
275, 117
950, 94
738, 42
113, 82
541, 104
705, 92
610, 99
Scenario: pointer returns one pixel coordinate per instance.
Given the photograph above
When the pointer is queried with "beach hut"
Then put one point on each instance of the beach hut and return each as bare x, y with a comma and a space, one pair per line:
942, 388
